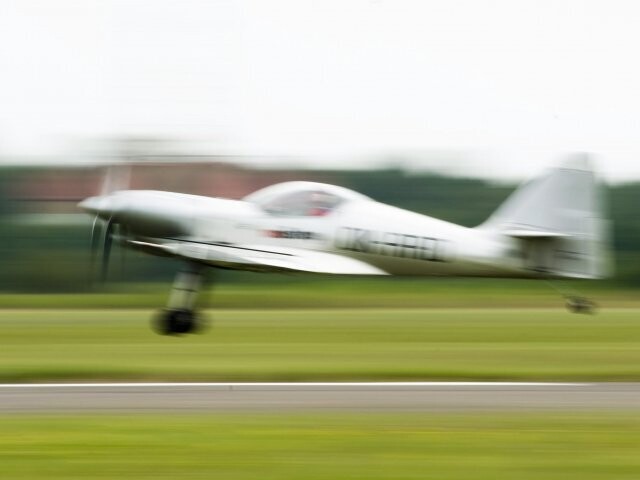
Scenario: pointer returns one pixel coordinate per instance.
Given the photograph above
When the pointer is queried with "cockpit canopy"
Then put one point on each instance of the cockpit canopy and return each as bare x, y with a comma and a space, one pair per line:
302, 199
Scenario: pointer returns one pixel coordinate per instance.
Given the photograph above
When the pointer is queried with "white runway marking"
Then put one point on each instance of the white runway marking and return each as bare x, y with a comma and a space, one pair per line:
300, 385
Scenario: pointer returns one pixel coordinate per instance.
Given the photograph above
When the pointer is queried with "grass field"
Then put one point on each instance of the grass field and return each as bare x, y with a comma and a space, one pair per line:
264, 334
321, 446
280, 292
328, 344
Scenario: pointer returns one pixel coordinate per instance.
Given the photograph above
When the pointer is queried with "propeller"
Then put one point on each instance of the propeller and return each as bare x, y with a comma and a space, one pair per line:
104, 230
95, 244
123, 233
102, 233
106, 250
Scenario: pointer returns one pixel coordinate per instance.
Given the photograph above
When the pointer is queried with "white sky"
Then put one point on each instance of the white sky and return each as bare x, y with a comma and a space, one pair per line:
513, 83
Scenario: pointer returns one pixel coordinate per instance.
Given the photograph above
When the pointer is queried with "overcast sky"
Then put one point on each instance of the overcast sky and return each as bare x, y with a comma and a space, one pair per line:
513, 83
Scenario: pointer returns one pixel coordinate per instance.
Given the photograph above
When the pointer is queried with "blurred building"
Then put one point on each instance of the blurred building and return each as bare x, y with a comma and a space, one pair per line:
59, 189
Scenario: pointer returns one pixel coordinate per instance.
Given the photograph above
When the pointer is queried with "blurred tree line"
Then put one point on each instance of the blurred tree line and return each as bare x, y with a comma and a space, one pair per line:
43, 253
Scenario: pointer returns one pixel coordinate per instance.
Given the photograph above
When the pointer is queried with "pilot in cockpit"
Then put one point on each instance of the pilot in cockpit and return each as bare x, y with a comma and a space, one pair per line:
321, 203
314, 203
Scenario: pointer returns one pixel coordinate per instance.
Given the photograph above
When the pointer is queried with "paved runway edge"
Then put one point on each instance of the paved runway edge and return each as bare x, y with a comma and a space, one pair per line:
331, 396
289, 385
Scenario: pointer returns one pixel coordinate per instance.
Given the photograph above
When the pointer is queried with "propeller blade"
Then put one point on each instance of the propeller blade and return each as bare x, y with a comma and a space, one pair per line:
95, 244
106, 252
117, 177
124, 235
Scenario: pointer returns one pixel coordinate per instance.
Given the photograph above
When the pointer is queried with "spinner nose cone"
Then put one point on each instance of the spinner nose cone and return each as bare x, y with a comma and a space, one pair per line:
94, 205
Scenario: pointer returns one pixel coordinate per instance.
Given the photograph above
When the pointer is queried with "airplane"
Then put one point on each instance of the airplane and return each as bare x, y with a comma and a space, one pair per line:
552, 227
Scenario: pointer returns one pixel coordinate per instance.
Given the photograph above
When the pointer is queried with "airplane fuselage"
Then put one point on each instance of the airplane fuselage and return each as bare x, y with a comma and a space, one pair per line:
396, 241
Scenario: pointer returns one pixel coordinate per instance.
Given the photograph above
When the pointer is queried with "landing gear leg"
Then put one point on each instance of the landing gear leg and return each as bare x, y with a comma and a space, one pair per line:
180, 317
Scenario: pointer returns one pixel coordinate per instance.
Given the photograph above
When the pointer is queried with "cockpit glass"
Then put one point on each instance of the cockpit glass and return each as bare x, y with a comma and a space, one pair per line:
307, 203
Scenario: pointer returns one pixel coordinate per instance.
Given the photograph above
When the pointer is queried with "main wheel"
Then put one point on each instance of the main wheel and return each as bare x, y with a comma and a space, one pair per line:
175, 321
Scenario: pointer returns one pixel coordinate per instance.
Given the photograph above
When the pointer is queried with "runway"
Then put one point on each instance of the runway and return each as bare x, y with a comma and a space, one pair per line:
316, 396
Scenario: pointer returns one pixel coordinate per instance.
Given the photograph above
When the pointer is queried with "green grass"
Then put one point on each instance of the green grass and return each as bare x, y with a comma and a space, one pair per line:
329, 344
578, 446
280, 292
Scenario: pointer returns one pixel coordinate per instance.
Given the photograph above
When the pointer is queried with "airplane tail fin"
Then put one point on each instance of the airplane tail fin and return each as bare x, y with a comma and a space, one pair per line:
560, 222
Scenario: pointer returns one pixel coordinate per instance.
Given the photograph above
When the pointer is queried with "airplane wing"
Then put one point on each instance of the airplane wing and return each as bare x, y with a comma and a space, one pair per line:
259, 258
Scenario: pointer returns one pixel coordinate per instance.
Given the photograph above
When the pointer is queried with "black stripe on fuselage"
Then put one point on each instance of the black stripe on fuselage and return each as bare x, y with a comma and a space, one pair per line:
226, 245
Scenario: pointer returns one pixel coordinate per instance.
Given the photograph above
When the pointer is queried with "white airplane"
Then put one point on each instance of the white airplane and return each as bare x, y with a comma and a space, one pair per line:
552, 227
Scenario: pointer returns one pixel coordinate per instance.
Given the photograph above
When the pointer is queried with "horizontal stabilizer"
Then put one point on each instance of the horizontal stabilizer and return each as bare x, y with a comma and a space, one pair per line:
523, 233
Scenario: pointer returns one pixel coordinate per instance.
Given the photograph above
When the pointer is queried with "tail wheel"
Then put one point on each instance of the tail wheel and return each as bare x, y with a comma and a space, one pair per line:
580, 305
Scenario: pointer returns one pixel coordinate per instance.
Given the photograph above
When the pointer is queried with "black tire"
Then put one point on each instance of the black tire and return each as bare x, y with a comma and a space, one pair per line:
175, 322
